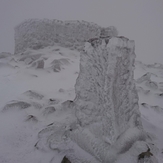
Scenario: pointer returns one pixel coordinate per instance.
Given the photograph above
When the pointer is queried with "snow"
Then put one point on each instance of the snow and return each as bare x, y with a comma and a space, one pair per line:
22, 136
36, 87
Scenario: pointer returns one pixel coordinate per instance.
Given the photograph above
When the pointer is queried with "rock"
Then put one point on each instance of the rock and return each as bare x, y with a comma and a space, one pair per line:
31, 118
157, 109
151, 84
145, 105
155, 65
53, 101
40, 64
36, 105
61, 90
161, 94
57, 64
28, 61
140, 89
68, 104
37, 33
56, 67
145, 77
30, 58
33, 95
5, 55
57, 49
16, 105
62, 61
48, 110
65, 160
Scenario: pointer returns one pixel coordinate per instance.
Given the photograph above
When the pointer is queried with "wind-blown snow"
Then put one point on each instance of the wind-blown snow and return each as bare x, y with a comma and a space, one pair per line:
24, 131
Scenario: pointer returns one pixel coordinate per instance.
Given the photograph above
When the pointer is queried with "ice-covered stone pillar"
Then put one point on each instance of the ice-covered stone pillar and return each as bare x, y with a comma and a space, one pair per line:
105, 90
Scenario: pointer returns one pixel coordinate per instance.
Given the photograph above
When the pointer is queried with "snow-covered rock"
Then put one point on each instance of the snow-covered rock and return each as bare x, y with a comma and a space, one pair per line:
57, 64
28, 58
105, 91
140, 89
106, 100
145, 77
151, 84
16, 105
36, 34
38, 64
155, 65
33, 95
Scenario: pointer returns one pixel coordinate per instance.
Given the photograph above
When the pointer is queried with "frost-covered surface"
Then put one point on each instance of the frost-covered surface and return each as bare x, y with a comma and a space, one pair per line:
37, 33
24, 130
105, 91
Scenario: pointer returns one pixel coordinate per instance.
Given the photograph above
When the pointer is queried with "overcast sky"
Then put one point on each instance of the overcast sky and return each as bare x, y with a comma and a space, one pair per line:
139, 20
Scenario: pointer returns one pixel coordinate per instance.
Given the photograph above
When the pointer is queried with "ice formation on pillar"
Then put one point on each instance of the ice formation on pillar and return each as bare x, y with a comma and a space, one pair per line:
105, 90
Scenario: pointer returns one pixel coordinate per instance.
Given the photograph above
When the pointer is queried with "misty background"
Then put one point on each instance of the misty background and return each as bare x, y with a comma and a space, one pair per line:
139, 20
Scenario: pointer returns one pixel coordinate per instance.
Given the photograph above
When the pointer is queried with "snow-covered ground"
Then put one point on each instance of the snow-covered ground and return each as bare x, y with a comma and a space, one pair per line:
32, 88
